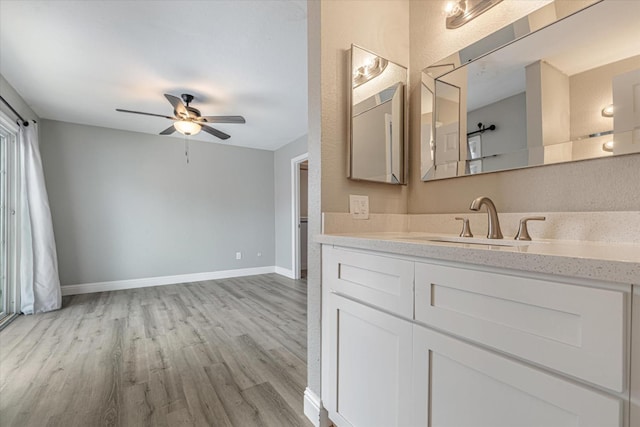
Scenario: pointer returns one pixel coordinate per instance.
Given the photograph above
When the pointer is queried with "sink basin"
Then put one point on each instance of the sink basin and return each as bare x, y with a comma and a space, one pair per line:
472, 240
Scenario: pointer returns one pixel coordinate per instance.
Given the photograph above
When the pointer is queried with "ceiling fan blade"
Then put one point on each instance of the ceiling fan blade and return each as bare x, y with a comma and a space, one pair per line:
177, 104
146, 114
215, 132
221, 119
168, 131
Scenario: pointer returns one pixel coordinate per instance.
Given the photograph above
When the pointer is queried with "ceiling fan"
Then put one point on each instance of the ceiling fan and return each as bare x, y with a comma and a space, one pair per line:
188, 120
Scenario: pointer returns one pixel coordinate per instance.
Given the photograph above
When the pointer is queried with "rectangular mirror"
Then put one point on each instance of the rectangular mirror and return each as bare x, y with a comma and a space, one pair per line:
555, 86
378, 132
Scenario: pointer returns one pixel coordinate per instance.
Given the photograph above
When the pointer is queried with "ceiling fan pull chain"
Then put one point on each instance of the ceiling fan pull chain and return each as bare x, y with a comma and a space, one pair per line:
186, 148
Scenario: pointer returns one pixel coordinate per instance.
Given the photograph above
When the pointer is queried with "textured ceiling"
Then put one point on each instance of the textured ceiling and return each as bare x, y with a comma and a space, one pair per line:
77, 61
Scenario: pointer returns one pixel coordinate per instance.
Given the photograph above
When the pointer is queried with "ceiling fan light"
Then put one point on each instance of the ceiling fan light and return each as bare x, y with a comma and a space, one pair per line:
187, 127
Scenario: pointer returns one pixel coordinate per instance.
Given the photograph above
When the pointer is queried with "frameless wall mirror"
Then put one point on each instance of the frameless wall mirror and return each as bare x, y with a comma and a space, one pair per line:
377, 147
555, 86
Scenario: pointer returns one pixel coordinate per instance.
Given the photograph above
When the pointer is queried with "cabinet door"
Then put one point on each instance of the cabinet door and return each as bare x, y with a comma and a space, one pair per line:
458, 384
369, 366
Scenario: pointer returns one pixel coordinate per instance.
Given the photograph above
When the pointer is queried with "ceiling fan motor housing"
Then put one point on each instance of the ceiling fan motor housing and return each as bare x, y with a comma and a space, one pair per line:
194, 113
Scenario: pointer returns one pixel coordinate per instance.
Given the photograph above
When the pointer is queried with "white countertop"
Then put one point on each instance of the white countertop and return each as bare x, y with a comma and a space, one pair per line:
611, 262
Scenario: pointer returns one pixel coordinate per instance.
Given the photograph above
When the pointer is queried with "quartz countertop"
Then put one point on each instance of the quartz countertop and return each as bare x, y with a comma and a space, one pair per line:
611, 262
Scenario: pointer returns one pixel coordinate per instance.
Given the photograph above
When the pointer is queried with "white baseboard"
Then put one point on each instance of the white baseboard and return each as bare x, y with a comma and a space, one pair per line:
313, 409
285, 272
87, 288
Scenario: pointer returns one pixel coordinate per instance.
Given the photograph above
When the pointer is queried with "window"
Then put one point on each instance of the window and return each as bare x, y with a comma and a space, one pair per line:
9, 180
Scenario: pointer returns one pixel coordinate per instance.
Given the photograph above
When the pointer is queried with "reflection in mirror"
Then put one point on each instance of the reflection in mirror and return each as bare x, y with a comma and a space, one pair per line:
377, 148
427, 146
544, 93
447, 132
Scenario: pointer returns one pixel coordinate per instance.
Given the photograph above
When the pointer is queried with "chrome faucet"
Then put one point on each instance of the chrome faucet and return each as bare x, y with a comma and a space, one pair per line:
494, 225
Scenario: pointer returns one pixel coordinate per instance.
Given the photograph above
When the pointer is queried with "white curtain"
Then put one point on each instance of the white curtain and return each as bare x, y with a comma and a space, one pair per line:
39, 280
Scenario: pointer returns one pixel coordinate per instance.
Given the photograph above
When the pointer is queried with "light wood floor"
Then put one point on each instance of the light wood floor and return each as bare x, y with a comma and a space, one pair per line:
218, 353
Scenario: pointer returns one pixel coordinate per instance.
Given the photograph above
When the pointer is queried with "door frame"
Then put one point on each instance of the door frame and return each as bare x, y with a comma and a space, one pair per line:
295, 214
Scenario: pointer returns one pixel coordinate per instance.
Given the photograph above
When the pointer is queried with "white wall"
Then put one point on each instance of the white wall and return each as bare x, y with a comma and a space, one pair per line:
126, 205
282, 165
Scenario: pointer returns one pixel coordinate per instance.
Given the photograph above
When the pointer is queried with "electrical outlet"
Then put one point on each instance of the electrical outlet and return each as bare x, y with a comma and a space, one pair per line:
238, 255
259, 253
359, 206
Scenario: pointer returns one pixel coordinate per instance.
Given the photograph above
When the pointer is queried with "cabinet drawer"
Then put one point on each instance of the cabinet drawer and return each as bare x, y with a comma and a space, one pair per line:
381, 281
576, 330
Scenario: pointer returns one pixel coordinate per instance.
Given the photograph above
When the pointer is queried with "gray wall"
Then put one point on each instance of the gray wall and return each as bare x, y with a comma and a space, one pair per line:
510, 117
282, 166
126, 205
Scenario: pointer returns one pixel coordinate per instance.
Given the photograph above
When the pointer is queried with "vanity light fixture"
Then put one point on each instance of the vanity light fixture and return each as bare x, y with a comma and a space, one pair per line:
454, 8
372, 68
607, 111
608, 146
459, 12
187, 127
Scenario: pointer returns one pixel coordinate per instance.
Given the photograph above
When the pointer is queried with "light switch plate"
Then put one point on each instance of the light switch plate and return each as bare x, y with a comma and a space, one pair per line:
359, 206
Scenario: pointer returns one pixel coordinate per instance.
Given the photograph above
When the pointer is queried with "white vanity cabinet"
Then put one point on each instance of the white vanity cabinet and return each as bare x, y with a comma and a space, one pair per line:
417, 342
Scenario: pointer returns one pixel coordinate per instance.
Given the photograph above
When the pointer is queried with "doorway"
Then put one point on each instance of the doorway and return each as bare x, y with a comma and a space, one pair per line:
299, 210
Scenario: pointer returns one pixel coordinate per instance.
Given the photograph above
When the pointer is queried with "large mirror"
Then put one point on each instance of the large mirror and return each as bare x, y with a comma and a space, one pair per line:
547, 89
377, 147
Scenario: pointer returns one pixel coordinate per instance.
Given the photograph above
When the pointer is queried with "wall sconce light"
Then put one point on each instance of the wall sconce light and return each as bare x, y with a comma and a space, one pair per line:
459, 12
607, 111
608, 146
